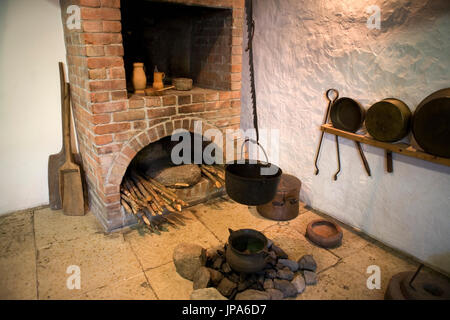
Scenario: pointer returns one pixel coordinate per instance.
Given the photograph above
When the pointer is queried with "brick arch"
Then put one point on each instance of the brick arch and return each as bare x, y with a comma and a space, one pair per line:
143, 139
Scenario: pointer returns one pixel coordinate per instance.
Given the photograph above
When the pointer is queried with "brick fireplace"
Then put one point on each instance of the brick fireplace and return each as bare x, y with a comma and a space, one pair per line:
112, 123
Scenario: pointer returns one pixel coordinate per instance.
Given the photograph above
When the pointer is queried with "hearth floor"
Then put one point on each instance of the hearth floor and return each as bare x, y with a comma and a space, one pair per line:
37, 247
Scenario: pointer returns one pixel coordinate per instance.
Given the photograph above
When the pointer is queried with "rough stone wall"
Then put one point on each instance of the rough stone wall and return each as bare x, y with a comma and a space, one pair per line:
301, 49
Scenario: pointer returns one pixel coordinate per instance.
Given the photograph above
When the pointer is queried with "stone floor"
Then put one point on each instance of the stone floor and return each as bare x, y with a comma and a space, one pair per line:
37, 247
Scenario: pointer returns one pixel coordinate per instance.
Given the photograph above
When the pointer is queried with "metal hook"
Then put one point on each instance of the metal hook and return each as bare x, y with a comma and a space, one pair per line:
255, 142
338, 157
331, 100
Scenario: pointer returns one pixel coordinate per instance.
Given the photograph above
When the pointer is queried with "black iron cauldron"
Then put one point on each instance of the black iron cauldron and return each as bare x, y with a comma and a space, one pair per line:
252, 182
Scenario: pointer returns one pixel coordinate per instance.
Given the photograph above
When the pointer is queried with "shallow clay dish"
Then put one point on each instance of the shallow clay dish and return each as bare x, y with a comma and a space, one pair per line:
424, 287
324, 233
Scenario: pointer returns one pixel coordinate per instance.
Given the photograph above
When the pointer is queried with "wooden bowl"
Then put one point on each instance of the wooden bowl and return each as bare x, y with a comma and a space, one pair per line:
182, 84
325, 234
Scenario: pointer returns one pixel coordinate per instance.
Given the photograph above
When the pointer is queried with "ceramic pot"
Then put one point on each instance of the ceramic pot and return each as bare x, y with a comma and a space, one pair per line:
239, 257
139, 79
158, 83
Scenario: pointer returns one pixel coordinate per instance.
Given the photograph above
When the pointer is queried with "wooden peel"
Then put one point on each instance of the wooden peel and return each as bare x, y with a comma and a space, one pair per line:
70, 184
155, 92
55, 161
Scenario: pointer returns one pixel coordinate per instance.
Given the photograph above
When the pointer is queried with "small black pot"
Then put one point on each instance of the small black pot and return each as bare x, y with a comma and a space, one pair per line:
241, 260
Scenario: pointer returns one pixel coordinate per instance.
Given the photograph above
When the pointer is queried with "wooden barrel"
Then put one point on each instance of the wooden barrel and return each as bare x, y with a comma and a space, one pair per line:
431, 123
388, 120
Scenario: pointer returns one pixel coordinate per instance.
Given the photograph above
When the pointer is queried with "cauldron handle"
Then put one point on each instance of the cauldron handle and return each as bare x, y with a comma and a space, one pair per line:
257, 143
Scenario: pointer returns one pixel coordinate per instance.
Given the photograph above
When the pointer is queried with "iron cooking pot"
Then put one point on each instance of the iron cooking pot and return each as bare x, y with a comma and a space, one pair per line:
252, 182
246, 251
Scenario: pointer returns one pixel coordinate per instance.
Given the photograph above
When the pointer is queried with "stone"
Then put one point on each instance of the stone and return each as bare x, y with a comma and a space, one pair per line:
215, 276
226, 287
188, 173
207, 294
226, 267
188, 258
234, 277
307, 262
243, 285
269, 243
201, 278
288, 289
212, 254
271, 273
268, 284
299, 283
217, 263
291, 264
252, 294
273, 255
275, 294
270, 262
285, 274
279, 252
310, 277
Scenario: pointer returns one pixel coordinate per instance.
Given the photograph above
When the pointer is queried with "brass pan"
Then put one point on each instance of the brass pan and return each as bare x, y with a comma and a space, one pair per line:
431, 123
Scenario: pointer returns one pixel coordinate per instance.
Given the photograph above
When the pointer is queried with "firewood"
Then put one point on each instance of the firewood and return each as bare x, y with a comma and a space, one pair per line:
141, 188
151, 191
145, 219
155, 208
133, 197
211, 177
220, 175
126, 206
166, 192
161, 187
133, 189
215, 171
181, 185
150, 210
134, 206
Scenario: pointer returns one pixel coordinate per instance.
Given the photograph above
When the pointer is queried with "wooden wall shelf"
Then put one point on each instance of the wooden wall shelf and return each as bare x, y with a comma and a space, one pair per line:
401, 148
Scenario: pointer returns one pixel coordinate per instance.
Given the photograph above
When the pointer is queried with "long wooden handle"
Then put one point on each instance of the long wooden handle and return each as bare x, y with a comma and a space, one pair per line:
389, 164
66, 128
62, 85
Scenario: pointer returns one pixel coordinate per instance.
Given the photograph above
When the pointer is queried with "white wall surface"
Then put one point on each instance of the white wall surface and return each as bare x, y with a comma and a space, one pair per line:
31, 44
301, 49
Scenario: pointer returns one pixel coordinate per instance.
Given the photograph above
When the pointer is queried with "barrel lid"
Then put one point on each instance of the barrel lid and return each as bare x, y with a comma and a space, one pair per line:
288, 182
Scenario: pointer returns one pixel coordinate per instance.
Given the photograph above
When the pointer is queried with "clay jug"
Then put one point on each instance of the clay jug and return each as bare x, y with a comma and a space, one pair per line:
139, 78
158, 80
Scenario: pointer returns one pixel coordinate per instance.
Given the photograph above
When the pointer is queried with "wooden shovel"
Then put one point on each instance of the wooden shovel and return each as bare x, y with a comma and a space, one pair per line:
70, 185
55, 161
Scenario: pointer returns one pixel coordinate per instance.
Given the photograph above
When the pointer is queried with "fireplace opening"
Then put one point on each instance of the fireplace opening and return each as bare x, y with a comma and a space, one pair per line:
180, 40
157, 187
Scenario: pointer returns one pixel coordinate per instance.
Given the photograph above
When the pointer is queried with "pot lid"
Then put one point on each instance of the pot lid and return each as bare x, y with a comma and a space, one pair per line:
288, 183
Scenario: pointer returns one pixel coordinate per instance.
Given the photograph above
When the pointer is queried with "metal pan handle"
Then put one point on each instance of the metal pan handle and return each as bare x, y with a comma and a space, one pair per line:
255, 142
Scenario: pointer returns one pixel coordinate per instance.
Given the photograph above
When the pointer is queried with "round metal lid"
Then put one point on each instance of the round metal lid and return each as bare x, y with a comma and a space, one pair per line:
288, 183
